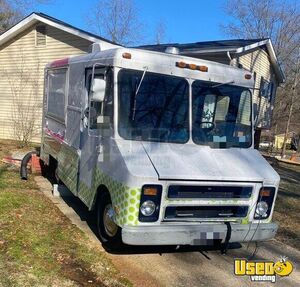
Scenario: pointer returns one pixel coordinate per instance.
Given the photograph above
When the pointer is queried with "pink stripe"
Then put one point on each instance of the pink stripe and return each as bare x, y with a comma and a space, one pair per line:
60, 63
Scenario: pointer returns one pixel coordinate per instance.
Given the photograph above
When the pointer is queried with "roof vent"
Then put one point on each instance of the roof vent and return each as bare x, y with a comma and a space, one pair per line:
172, 50
94, 48
40, 36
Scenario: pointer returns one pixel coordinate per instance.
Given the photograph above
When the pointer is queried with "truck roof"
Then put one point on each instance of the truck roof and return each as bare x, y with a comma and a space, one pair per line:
159, 62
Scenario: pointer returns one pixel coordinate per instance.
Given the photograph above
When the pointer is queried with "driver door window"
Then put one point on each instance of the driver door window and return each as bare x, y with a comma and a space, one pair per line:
101, 112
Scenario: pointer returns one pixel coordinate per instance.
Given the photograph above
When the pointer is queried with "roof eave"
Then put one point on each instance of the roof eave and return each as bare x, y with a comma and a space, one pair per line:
205, 51
35, 18
276, 66
18, 28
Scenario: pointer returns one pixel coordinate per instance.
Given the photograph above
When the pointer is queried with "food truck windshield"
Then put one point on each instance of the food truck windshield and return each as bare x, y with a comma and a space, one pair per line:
156, 107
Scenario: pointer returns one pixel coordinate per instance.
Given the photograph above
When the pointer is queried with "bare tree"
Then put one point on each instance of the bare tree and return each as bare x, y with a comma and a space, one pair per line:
116, 20
160, 32
24, 88
8, 15
274, 19
279, 21
11, 11
294, 94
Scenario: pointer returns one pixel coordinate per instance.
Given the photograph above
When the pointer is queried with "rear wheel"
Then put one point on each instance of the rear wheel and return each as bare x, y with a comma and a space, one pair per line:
109, 232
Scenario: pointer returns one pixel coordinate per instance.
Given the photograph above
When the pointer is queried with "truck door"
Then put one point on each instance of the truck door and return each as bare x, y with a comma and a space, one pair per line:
91, 142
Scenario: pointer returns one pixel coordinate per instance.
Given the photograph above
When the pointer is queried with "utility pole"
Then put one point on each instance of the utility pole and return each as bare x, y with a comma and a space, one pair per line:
291, 106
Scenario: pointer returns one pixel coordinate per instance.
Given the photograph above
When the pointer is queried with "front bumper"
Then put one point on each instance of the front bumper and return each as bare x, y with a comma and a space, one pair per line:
200, 234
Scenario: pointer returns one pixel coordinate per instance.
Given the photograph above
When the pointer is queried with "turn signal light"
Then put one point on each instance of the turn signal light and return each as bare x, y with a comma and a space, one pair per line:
126, 55
265, 192
248, 76
152, 191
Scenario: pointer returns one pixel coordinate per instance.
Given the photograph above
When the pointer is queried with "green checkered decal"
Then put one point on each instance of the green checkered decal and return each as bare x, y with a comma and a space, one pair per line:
125, 200
68, 159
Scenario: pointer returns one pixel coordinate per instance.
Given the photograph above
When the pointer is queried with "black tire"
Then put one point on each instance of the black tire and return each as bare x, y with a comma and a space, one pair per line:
112, 241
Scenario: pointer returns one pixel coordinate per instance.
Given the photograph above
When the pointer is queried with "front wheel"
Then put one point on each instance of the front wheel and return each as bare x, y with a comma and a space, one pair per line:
109, 232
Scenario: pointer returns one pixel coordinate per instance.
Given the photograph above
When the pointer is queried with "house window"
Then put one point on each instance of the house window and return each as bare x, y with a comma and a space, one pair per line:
270, 92
264, 88
40, 36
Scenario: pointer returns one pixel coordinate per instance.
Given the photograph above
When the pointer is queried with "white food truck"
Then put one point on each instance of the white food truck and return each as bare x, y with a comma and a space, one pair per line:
161, 145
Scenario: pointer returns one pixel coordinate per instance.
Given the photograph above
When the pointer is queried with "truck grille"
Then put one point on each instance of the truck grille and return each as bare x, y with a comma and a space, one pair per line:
177, 212
192, 191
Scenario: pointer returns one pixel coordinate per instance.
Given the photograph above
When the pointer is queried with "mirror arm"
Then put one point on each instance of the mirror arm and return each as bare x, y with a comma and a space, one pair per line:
90, 96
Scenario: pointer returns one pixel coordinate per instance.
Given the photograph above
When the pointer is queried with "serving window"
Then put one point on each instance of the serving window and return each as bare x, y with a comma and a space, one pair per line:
57, 93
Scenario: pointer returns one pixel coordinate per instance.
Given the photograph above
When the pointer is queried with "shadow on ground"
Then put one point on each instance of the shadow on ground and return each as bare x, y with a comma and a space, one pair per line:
90, 218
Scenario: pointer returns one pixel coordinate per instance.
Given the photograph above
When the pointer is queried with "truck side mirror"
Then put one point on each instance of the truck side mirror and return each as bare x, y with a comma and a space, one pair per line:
98, 90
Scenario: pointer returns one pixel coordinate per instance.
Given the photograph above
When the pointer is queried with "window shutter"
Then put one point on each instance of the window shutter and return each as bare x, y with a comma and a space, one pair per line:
40, 36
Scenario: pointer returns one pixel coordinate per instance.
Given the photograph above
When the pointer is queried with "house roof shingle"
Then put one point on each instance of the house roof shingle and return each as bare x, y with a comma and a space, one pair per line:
207, 45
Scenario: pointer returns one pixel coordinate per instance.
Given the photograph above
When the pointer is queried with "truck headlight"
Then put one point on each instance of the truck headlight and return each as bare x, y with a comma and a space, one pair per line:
150, 203
261, 209
265, 202
148, 208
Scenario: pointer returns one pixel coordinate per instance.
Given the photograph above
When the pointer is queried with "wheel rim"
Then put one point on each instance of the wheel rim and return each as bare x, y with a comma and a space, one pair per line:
109, 225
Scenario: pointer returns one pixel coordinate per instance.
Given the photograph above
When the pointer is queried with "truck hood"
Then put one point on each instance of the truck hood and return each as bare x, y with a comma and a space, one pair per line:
191, 162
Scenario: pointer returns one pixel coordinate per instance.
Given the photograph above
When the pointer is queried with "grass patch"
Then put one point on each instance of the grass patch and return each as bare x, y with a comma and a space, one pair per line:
287, 206
38, 245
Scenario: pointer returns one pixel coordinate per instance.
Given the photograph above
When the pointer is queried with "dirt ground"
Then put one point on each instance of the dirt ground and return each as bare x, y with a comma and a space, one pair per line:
287, 207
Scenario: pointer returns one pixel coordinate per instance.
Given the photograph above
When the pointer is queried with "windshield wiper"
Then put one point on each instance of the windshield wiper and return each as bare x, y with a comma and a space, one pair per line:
137, 91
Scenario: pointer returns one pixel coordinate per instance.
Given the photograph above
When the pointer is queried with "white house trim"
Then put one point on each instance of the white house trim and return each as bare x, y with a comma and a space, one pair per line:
35, 18
266, 42
271, 52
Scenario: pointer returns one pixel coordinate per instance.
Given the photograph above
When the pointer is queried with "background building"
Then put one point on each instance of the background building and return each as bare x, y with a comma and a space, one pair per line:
38, 39
25, 49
